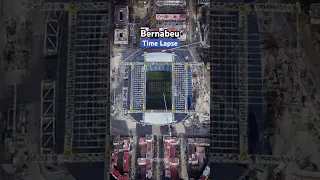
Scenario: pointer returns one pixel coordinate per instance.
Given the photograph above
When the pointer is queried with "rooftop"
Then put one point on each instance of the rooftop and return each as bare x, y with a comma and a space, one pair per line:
121, 15
121, 36
159, 57
158, 118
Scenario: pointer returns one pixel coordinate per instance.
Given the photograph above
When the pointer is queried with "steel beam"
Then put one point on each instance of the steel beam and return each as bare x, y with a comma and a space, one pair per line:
82, 6
259, 7
100, 157
144, 87
72, 40
173, 90
47, 121
161, 63
131, 87
243, 84
164, 111
51, 40
187, 87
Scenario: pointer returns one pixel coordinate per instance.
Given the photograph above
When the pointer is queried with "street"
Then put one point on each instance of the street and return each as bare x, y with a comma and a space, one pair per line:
191, 15
133, 155
184, 169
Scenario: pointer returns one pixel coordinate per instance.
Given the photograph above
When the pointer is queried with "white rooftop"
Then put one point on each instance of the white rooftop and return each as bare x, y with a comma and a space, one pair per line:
159, 57
158, 118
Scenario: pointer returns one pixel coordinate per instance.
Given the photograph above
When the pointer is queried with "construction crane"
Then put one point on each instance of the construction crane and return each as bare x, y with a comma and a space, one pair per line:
243, 9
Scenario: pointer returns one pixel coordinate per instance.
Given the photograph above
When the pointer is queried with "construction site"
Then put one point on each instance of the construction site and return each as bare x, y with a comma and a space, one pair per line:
277, 110
55, 95
55, 101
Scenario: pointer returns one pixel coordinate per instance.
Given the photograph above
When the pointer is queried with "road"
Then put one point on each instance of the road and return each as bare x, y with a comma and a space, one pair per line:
134, 157
159, 163
194, 54
191, 15
155, 156
183, 158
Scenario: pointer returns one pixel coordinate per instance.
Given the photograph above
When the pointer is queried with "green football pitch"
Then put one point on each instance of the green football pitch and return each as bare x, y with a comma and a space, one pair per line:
158, 95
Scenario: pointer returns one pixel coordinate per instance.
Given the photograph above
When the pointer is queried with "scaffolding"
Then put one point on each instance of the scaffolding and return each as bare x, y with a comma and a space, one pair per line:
137, 86
144, 86
224, 79
237, 73
243, 84
180, 82
91, 78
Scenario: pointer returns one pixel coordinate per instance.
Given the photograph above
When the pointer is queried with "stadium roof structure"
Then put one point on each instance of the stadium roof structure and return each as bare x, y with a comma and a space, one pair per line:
158, 118
227, 99
159, 57
160, 93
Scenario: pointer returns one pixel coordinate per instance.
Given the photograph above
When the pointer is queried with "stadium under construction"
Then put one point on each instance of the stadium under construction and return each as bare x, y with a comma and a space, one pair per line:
82, 44
167, 95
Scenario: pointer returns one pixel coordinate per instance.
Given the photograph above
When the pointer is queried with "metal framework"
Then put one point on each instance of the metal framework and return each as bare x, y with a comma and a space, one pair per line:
261, 7
83, 6
91, 81
243, 84
52, 32
68, 156
174, 3
144, 101
240, 34
180, 82
131, 89
137, 86
87, 66
72, 35
100, 157
47, 121
166, 111
173, 90
186, 94
162, 63
224, 99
